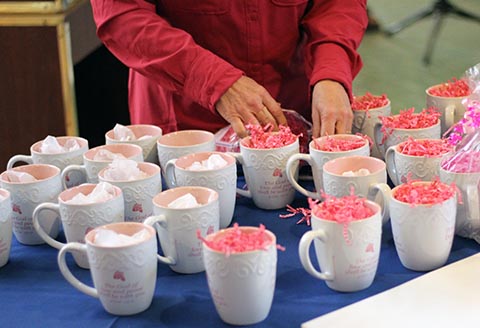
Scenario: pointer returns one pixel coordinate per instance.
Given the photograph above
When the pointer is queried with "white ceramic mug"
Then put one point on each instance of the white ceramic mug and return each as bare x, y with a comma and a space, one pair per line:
372, 185
177, 227
242, 284
397, 135
346, 265
400, 166
79, 219
423, 234
265, 174
451, 108
317, 158
90, 167
467, 223
138, 193
5, 226
177, 144
222, 180
364, 121
146, 137
26, 196
60, 160
124, 277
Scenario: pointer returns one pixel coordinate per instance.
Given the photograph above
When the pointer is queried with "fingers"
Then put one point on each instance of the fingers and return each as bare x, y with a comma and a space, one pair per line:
264, 117
275, 111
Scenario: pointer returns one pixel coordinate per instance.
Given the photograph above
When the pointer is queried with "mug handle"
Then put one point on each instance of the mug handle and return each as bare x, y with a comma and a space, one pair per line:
170, 178
19, 158
292, 168
386, 194
67, 274
449, 116
391, 167
242, 192
303, 252
38, 228
378, 136
473, 205
72, 168
162, 220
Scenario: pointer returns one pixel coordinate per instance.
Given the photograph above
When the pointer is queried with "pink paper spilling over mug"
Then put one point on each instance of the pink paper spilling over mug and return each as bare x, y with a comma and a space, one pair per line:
418, 159
5, 226
448, 99
366, 112
347, 236
123, 263
241, 278
397, 128
61, 152
177, 144
423, 223
44, 185
363, 175
79, 218
143, 135
265, 174
322, 150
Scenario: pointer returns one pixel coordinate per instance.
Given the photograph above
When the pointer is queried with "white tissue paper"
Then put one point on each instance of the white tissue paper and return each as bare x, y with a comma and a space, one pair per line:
102, 192
185, 201
50, 145
123, 170
359, 173
122, 133
110, 238
213, 162
107, 155
15, 176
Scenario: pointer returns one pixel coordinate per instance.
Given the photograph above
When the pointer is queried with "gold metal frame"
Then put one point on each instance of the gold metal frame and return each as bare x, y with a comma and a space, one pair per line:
40, 7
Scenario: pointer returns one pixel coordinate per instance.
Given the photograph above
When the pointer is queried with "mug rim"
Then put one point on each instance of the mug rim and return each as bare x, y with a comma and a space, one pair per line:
373, 108
353, 158
243, 140
90, 235
90, 187
416, 129
396, 148
271, 235
83, 146
231, 161
427, 91
371, 203
154, 167
109, 136
395, 189
21, 168
210, 135
213, 196
311, 144
90, 153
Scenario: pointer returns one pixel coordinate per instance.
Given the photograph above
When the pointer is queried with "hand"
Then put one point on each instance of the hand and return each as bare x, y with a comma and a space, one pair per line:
247, 102
331, 110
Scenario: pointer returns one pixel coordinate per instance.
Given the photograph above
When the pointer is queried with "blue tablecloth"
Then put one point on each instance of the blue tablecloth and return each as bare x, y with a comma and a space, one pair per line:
33, 293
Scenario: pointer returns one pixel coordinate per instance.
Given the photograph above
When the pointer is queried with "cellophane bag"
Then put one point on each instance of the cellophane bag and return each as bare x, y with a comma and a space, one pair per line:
464, 160
226, 140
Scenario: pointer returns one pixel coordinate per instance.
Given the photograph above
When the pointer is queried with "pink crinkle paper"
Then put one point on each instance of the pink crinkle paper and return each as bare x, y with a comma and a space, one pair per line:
408, 119
452, 88
369, 101
265, 138
424, 147
430, 193
333, 144
463, 162
235, 240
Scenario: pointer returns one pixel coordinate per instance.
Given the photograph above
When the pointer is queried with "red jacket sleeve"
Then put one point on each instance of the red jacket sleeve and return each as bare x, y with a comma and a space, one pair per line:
334, 32
147, 43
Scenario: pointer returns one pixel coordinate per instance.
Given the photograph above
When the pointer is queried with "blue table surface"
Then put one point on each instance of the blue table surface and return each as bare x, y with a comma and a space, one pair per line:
33, 293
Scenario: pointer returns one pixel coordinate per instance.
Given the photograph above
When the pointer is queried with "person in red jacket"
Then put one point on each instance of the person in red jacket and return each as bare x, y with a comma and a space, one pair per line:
204, 64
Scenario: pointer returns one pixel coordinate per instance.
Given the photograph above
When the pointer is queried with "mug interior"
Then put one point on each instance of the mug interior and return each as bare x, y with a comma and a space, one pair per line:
186, 161
4, 194
139, 130
395, 191
149, 169
185, 138
370, 204
319, 142
127, 150
203, 195
124, 228
219, 235
85, 189
433, 87
353, 163
38, 171
36, 147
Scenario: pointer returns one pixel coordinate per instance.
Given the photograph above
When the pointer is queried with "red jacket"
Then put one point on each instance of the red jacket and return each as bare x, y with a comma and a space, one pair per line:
184, 54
